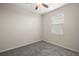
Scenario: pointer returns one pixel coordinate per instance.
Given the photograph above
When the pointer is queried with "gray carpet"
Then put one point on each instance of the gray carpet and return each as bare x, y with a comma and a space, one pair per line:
40, 49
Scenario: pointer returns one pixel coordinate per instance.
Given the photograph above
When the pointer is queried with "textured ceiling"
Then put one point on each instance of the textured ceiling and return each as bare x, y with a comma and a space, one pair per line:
41, 10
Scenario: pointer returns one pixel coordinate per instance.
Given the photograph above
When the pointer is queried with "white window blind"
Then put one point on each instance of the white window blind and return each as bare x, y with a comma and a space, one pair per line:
58, 24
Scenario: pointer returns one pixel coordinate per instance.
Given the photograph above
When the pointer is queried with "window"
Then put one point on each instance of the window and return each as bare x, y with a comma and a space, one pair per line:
58, 24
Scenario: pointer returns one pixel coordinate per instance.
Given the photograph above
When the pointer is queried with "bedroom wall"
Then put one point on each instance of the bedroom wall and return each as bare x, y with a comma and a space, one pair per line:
18, 27
70, 39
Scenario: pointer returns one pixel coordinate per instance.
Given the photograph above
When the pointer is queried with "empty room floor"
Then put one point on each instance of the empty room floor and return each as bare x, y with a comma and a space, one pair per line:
40, 49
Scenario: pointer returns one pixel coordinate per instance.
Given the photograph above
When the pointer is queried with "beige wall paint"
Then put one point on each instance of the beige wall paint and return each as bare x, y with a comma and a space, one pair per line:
18, 27
70, 39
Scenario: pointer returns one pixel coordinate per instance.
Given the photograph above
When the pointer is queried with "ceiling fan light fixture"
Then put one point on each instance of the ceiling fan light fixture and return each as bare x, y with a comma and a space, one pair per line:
40, 5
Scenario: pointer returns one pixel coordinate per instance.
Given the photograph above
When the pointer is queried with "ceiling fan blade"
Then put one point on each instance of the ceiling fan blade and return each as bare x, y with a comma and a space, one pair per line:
36, 7
45, 5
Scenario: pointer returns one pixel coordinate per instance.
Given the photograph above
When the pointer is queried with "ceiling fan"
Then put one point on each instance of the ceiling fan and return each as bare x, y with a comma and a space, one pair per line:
41, 4
37, 5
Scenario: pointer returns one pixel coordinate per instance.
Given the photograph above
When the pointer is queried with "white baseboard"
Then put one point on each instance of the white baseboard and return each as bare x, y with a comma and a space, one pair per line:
62, 46
19, 46
37, 41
